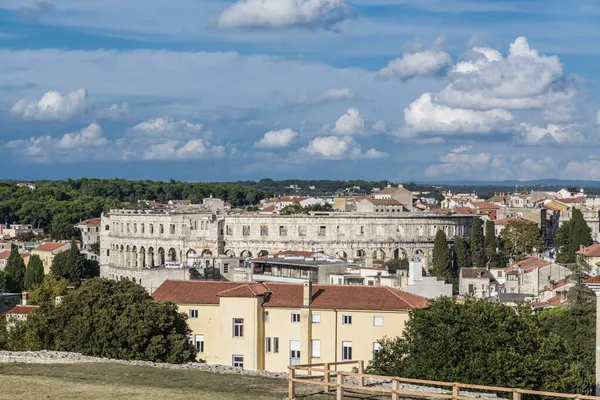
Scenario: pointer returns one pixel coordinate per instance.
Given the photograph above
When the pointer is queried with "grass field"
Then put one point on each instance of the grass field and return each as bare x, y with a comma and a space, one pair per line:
117, 381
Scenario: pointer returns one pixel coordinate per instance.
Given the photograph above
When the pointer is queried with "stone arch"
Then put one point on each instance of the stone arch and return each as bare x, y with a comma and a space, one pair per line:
151, 257
127, 256
133, 279
142, 257
161, 256
190, 257
172, 255
230, 253
106, 227
400, 253
263, 253
246, 254
134, 256
341, 254
360, 253
206, 253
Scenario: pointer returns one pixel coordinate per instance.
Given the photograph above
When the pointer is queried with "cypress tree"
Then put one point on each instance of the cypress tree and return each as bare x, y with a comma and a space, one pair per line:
69, 264
490, 239
477, 254
34, 275
441, 257
15, 271
580, 233
460, 253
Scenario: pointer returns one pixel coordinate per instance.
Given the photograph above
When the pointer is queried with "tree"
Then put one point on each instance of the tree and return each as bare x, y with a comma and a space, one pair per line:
44, 295
34, 274
63, 231
292, 209
3, 281
69, 264
490, 239
441, 258
570, 236
396, 265
115, 319
15, 271
521, 238
476, 243
580, 293
452, 342
460, 253
95, 248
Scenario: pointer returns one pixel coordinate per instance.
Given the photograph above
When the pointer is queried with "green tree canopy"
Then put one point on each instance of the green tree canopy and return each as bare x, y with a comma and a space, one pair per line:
441, 258
476, 244
490, 239
396, 265
69, 265
460, 253
521, 238
15, 271
44, 295
115, 319
570, 236
34, 274
63, 231
478, 342
580, 293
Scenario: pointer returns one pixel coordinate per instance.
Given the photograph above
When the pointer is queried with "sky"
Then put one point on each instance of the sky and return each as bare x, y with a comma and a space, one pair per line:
224, 90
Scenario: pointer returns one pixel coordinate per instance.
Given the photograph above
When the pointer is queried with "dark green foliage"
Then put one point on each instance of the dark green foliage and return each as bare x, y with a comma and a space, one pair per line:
106, 318
396, 264
95, 248
460, 253
293, 209
44, 295
499, 260
477, 342
441, 258
490, 239
69, 265
63, 231
580, 293
520, 238
15, 271
570, 236
34, 274
4, 281
476, 244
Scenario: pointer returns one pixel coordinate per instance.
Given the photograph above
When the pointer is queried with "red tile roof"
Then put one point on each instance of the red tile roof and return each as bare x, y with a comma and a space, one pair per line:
92, 221
51, 246
465, 210
590, 251
551, 302
593, 279
506, 221
270, 208
484, 205
291, 295
572, 200
5, 254
528, 265
23, 310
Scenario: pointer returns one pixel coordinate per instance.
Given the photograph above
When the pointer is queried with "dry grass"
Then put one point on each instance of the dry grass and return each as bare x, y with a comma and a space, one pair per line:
116, 381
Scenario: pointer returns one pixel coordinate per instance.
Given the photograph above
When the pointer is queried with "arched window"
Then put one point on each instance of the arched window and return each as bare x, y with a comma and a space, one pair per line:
106, 227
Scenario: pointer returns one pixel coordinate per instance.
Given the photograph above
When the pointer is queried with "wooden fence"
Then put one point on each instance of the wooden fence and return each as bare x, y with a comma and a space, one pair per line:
332, 380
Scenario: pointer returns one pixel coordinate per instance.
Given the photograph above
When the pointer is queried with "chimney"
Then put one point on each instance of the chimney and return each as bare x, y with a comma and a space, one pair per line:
24, 298
307, 294
581, 247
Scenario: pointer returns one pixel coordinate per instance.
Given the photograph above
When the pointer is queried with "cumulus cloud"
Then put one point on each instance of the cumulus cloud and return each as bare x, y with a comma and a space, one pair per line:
418, 62
274, 139
551, 133
166, 128
337, 94
277, 14
173, 150
52, 106
351, 123
115, 111
379, 127
337, 148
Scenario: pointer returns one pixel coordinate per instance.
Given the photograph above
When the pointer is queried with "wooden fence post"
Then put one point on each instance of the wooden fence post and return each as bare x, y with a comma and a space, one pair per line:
455, 391
361, 371
291, 383
394, 389
516, 394
340, 390
326, 377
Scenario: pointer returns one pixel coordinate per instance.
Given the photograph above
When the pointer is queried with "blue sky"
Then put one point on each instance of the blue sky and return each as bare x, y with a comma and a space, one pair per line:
318, 89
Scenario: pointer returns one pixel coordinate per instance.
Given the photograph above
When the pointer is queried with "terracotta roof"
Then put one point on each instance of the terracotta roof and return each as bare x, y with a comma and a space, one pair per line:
270, 208
593, 279
590, 251
551, 302
465, 210
528, 265
5, 254
572, 200
471, 273
506, 221
51, 246
291, 295
91, 221
484, 205
554, 206
23, 310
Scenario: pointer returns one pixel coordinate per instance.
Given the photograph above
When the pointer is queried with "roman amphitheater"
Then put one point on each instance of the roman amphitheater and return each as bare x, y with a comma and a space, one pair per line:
136, 240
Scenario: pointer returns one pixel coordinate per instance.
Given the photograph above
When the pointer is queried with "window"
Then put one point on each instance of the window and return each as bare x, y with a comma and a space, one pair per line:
246, 230
193, 313
134, 228
238, 361
228, 230
225, 268
172, 229
471, 290
268, 345
316, 348
238, 327
195, 225
201, 225
283, 231
362, 230
378, 320
295, 317
199, 340
264, 230
142, 228
275, 345
128, 227
316, 318
301, 231
346, 351
499, 274
161, 229
322, 230
376, 347
266, 316
347, 319
151, 228
107, 253
106, 227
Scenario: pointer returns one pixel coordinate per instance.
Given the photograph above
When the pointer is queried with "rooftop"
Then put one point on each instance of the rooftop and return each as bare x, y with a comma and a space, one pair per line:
590, 251
91, 221
506, 221
22, 310
51, 246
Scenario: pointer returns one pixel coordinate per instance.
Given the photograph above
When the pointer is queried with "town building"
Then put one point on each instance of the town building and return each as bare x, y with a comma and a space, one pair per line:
4, 258
48, 251
591, 255
20, 312
90, 232
18, 229
477, 283
532, 275
268, 326
296, 267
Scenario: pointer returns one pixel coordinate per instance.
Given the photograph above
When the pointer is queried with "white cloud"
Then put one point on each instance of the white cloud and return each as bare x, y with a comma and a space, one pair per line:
561, 134
279, 14
52, 106
280, 138
598, 118
455, 163
410, 65
337, 148
424, 115
87, 137
166, 128
115, 112
351, 123
337, 94
462, 149
379, 127
588, 169
173, 150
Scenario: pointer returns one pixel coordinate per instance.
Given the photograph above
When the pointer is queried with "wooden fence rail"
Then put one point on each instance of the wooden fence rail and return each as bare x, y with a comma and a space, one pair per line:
321, 374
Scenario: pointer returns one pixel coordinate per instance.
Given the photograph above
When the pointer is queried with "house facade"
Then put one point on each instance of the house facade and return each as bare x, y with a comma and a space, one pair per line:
269, 326
90, 232
47, 251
